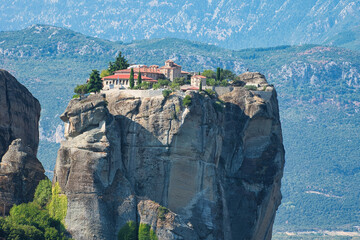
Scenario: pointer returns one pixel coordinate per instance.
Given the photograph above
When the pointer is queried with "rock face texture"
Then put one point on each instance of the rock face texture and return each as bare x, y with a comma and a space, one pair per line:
216, 165
20, 170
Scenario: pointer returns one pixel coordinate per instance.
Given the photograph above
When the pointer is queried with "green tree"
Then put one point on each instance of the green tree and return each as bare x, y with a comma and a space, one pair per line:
131, 80
210, 82
95, 83
128, 231
164, 82
181, 81
218, 74
156, 86
145, 85
146, 233
175, 86
119, 64
81, 89
58, 204
227, 74
200, 87
139, 80
224, 83
209, 74
104, 73
43, 192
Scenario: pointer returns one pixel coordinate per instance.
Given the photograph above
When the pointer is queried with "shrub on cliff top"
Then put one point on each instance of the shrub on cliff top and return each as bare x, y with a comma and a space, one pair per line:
162, 211
166, 93
95, 83
251, 87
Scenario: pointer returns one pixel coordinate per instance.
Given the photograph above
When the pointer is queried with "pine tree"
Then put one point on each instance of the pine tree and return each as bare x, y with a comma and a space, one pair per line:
200, 87
95, 83
119, 64
139, 80
131, 80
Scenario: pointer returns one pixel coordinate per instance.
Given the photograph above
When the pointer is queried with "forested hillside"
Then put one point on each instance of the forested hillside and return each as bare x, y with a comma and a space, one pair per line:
318, 90
231, 24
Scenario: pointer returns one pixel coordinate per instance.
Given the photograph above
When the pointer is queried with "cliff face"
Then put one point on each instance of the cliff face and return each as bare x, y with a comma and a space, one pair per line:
215, 165
20, 170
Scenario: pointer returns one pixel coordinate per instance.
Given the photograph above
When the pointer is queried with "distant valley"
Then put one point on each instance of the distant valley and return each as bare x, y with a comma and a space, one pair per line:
318, 90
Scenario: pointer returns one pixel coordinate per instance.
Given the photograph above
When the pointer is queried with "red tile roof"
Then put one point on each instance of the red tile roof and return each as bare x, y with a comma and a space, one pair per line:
142, 70
186, 88
198, 76
127, 76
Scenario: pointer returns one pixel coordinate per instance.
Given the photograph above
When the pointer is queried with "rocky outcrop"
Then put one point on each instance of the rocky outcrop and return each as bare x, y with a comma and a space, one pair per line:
20, 170
215, 165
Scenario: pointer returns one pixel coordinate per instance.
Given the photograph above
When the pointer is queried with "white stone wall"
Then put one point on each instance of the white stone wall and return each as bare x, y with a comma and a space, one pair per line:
135, 93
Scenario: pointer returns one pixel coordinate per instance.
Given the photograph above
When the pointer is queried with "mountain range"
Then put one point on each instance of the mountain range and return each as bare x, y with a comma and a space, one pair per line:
231, 24
318, 89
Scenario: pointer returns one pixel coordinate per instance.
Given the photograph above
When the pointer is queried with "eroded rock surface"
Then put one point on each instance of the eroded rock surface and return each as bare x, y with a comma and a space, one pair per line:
20, 170
215, 165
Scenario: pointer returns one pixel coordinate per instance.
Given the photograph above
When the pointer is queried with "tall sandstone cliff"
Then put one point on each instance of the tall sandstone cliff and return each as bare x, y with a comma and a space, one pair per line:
20, 170
215, 165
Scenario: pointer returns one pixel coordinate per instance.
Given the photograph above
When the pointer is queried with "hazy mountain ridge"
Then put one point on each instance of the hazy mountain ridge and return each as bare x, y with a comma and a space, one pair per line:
226, 23
318, 91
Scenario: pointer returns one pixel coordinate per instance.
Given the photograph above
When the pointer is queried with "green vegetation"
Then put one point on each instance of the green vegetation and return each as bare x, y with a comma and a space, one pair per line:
251, 87
166, 93
131, 80
80, 90
43, 192
187, 101
146, 233
119, 64
32, 221
210, 93
181, 81
175, 86
104, 73
58, 204
95, 83
128, 231
143, 86
220, 78
210, 74
218, 74
162, 211
156, 86
139, 80
163, 82
347, 39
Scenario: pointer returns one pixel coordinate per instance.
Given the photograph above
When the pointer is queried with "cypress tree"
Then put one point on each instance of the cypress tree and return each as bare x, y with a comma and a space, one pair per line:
200, 87
131, 80
139, 80
218, 74
95, 83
